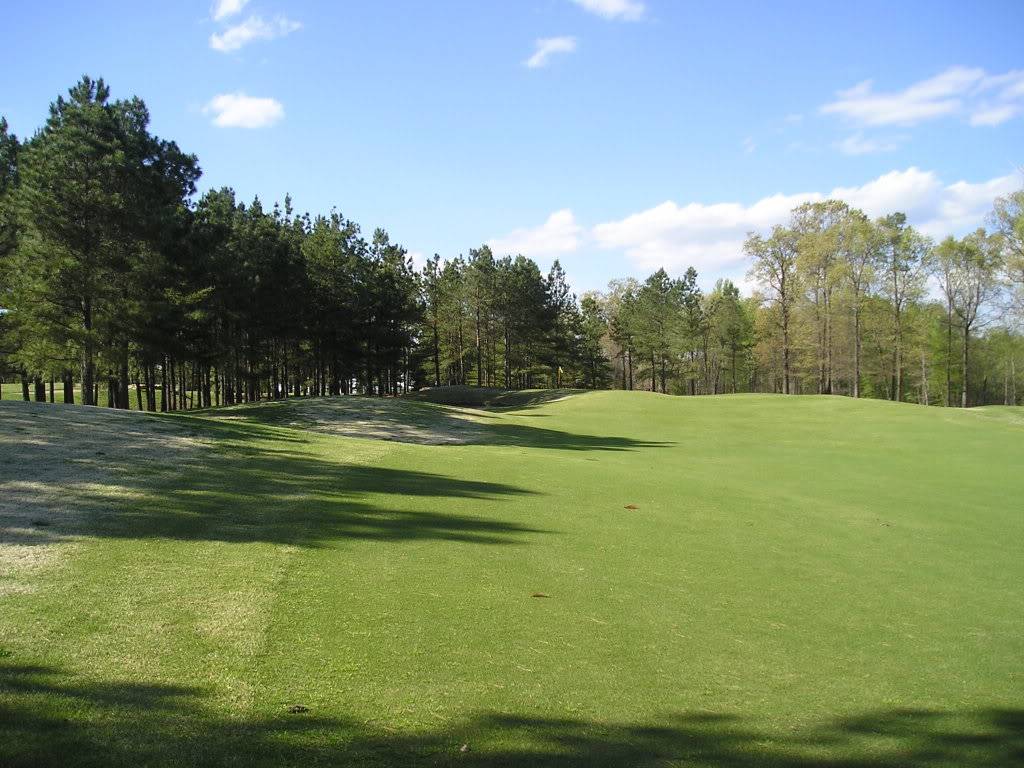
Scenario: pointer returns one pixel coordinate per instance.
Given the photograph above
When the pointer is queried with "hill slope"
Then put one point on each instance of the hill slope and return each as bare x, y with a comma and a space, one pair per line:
608, 578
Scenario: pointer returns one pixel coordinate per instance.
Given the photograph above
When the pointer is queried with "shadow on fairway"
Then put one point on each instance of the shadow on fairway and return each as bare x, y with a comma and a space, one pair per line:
426, 423
49, 718
225, 481
497, 399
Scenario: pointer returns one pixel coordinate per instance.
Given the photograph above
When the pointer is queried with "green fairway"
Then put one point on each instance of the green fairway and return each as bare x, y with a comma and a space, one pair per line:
605, 578
12, 391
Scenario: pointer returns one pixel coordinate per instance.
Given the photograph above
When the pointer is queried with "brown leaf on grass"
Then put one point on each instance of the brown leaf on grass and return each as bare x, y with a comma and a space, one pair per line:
631, 506
539, 594
297, 709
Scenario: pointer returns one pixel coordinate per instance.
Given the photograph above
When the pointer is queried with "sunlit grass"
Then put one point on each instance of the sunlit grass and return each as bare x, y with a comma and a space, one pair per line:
796, 582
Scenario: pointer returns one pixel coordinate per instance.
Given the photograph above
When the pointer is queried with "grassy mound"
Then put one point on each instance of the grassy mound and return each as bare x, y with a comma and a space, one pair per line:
603, 579
488, 397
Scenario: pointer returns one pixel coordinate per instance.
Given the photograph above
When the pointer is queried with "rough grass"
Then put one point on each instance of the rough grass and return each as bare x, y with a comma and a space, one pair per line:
796, 582
61, 466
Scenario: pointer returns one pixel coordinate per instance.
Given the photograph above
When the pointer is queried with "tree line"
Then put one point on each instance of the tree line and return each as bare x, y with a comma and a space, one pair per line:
117, 280
842, 304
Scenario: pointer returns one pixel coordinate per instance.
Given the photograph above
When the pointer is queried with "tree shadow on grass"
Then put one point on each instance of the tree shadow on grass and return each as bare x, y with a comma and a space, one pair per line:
234, 482
51, 718
421, 422
283, 497
492, 398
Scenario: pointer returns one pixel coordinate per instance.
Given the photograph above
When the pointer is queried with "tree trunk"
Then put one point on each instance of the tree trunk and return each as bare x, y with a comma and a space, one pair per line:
924, 381
164, 404
479, 358
138, 387
508, 358
786, 389
88, 364
122, 392
856, 348
949, 354
963, 389
437, 357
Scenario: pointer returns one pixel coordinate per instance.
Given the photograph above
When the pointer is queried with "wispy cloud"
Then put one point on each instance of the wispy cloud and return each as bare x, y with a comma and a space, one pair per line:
222, 9
858, 144
958, 91
748, 145
995, 115
928, 99
236, 110
253, 28
557, 236
626, 10
548, 46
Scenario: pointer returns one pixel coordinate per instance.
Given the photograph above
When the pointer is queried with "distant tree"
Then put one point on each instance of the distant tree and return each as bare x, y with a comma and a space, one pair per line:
480, 284
93, 184
593, 330
975, 279
1008, 219
563, 321
9, 147
823, 248
862, 257
945, 267
432, 296
774, 268
733, 327
903, 257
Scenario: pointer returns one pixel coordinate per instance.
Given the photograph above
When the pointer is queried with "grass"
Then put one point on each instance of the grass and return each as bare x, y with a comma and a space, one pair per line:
803, 581
12, 391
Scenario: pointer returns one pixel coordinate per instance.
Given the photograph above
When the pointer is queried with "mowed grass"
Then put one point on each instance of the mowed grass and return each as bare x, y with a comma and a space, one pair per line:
606, 579
12, 391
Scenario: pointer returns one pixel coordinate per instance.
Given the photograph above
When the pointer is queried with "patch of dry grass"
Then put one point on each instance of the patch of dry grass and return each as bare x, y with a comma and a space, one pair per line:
369, 418
59, 464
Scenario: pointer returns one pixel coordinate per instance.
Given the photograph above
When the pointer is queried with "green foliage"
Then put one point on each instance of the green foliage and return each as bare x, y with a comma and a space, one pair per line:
108, 264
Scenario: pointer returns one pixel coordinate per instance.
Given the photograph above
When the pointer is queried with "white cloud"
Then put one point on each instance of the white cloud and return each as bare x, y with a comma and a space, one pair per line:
253, 28
963, 206
222, 9
236, 110
627, 10
707, 237
986, 99
419, 260
557, 236
748, 145
926, 100
857, 144
546, 46
710, 237
994, 115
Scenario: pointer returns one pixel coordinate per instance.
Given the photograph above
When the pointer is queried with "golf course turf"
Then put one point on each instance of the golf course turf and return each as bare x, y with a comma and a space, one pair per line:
603, 578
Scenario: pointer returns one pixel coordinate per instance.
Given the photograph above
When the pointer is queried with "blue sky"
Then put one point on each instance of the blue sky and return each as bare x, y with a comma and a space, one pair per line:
615, 135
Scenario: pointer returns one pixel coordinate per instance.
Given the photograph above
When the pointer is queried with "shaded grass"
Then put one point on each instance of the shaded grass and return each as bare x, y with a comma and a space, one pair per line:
809, 581
12, 391
177, 728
